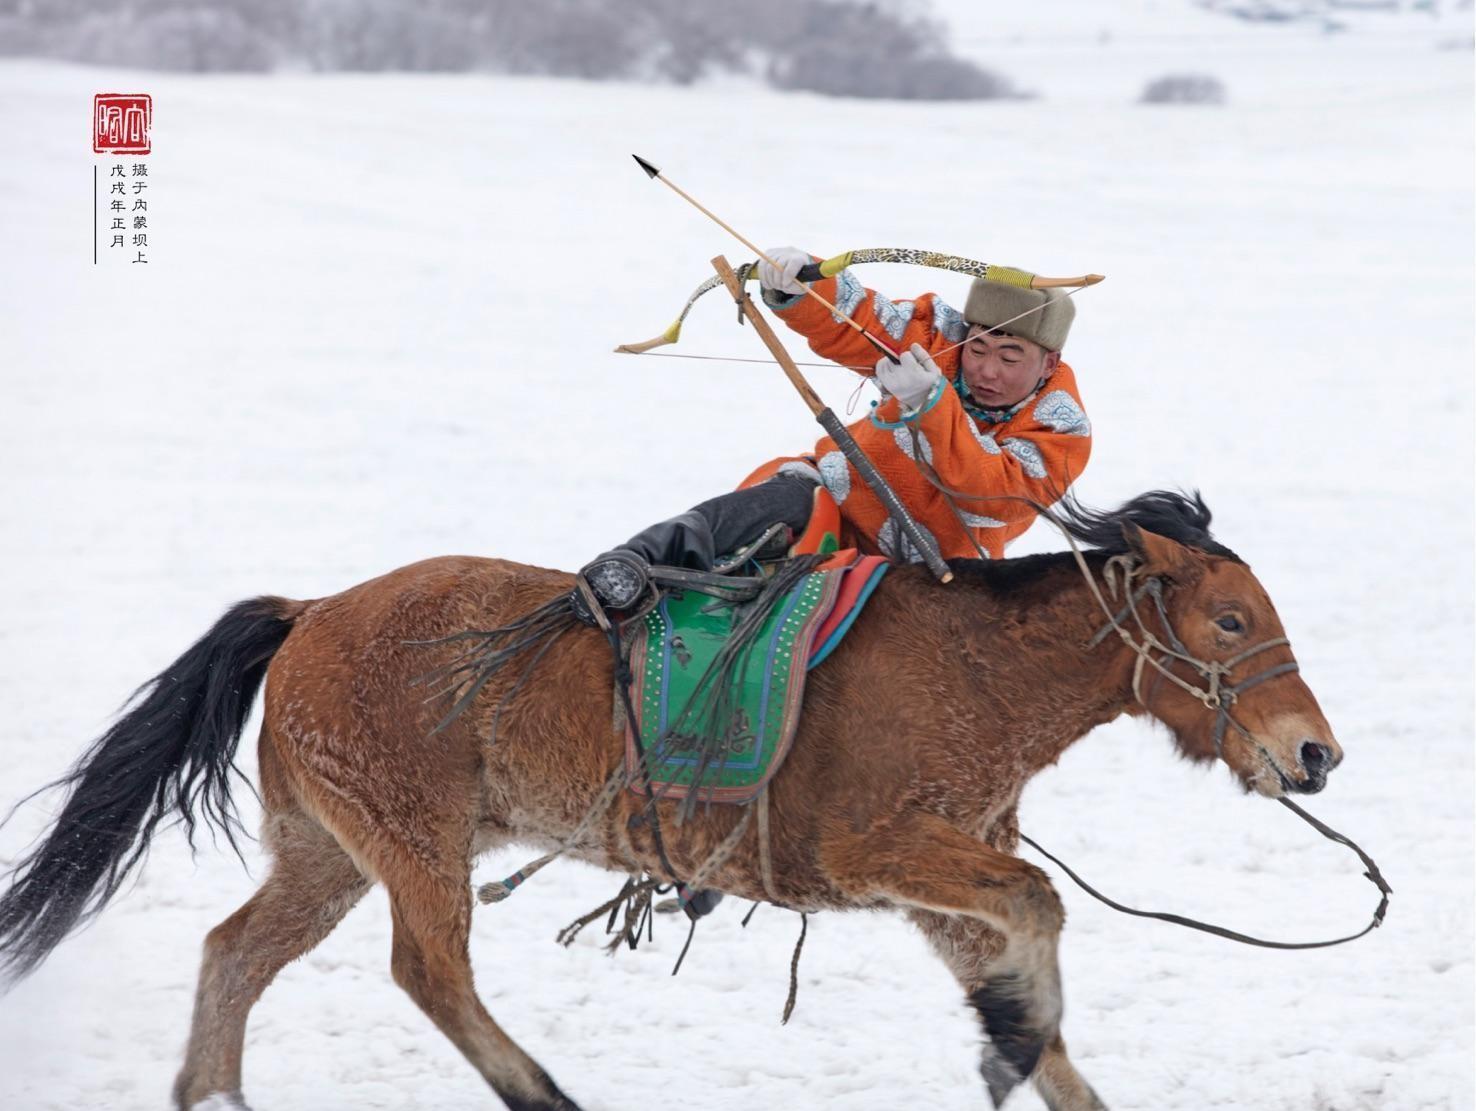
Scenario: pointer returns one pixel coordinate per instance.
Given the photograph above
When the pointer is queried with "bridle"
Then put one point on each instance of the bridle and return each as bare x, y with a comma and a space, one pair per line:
1119, 572
1218, 694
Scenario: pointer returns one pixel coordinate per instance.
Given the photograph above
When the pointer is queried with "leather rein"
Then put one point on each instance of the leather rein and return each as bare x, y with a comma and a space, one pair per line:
1218, 696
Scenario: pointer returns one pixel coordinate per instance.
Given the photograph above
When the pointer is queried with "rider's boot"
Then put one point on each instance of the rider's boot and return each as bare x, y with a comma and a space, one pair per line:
619, 577
693, 540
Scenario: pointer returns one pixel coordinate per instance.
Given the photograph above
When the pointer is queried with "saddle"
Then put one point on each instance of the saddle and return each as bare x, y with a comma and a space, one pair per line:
717, 686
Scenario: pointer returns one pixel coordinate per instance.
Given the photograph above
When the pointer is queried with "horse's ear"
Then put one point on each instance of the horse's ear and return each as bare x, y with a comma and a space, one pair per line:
1160, 555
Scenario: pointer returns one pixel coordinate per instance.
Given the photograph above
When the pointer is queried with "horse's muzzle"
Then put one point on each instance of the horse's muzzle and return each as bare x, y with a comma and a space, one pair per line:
1317, 760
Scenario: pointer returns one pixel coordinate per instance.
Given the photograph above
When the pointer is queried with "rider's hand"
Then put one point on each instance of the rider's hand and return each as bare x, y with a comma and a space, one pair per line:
911, 379
781, 276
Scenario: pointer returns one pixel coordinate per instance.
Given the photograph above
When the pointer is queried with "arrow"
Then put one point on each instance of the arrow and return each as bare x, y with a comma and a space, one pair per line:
653, 172
815, 271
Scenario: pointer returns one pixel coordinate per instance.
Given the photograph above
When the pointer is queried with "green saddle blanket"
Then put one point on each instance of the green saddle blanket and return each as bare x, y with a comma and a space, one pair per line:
715, 729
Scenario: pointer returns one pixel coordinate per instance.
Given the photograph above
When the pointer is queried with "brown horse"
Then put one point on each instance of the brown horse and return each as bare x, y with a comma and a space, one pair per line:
901, 790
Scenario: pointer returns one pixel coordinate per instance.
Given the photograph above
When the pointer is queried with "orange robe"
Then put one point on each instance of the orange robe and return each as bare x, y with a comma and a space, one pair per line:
1036, 452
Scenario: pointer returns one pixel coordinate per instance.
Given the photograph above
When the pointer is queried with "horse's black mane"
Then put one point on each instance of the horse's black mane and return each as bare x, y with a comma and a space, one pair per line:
1180, 517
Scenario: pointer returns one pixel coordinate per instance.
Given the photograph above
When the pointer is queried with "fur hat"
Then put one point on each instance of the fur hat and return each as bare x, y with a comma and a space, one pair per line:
991, 304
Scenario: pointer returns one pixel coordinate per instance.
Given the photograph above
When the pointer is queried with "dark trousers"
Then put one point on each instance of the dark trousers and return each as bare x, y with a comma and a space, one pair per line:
726, 523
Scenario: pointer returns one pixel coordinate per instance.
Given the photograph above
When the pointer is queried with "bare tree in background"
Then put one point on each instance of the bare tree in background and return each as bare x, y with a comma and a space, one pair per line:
837, 47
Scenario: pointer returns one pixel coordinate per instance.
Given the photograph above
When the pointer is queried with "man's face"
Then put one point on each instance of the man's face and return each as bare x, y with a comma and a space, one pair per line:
1001, 370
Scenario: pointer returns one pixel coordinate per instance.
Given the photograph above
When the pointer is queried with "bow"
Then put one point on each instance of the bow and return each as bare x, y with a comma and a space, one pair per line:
924, 542
815, 271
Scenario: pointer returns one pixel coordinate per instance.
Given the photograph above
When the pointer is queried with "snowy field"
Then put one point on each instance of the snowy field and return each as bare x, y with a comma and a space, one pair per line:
376, 326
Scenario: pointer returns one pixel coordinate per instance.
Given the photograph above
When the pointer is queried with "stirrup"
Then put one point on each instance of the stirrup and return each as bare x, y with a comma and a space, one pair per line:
694, 904
773, 543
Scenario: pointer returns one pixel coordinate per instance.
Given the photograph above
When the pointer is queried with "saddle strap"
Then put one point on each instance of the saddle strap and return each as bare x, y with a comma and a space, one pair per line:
766, 862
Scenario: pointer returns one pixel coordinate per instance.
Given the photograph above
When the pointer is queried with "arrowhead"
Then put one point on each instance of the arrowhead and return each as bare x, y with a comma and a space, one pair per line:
651, 171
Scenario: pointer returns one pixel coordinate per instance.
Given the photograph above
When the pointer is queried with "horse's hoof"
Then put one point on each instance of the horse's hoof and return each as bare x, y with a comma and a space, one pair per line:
550, 1098
221, 1101
1014, 1042
559, 1102
1000, 1077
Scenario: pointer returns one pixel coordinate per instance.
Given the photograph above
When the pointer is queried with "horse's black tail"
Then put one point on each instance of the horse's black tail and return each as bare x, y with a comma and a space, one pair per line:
172, 751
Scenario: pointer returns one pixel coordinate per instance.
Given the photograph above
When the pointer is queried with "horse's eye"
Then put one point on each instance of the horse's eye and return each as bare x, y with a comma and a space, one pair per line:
1230, 623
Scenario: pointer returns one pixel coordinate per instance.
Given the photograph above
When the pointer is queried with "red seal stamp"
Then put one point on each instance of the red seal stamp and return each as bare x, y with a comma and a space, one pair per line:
121, 122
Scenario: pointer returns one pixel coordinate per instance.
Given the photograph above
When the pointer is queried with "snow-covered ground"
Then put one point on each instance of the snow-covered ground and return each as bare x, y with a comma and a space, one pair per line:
376, 325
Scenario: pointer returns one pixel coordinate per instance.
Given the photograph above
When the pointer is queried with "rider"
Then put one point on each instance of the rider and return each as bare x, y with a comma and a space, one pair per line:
992, 407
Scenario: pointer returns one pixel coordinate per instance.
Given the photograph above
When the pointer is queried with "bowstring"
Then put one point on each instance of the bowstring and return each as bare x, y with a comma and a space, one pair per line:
847, 366
736, 359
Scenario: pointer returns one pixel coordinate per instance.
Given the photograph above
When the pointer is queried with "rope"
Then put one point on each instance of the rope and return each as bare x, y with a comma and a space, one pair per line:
622, 684
1118, 573
794, 970
633, 888
766, 863
734, 359
721, 853
496, 892
691, 933
1220, 931
636, 894
489, 652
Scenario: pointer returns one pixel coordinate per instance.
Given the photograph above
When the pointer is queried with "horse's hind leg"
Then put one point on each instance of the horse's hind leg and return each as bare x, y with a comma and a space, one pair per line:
969, 947
406, 809
1060, 1085
432, 918
920, 862
312, 885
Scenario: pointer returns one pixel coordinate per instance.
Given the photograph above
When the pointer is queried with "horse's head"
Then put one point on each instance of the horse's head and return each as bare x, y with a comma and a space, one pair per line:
1215, 665
1226, 685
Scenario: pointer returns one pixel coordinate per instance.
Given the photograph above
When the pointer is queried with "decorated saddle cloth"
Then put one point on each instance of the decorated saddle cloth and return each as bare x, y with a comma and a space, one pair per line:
716, 726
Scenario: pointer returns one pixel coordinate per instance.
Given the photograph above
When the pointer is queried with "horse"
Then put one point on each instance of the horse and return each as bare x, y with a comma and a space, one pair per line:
900, 792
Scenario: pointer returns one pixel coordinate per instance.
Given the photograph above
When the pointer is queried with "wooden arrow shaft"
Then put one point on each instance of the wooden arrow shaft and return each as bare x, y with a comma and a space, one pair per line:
766, 333
720, 222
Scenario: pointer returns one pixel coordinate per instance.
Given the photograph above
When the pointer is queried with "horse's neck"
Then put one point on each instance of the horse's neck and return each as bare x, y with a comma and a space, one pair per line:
1058, 687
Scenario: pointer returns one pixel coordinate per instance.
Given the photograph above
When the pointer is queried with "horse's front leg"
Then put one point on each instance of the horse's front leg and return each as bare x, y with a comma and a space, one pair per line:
970, 947
920, 862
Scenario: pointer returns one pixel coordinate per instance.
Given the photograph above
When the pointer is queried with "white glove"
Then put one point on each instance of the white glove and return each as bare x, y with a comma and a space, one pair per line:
912, 379
781, 277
